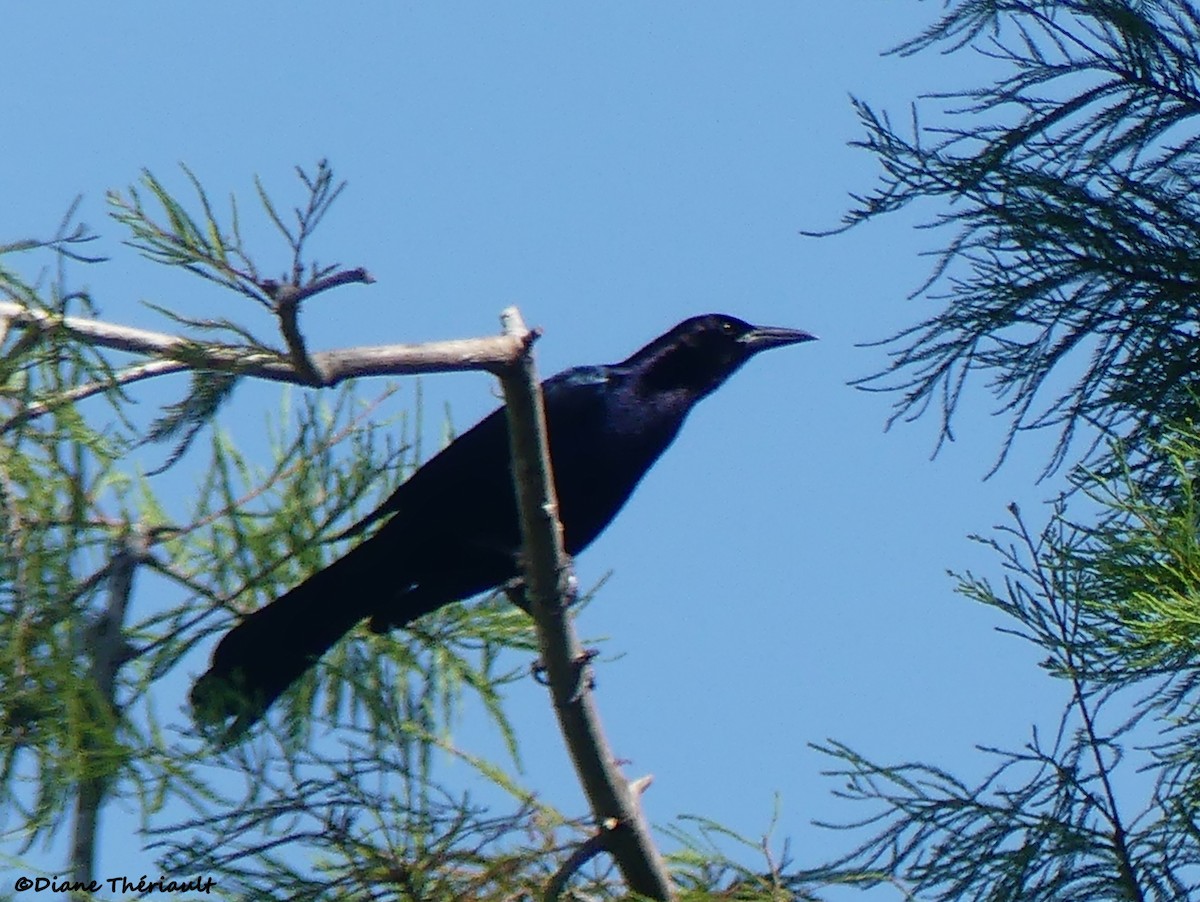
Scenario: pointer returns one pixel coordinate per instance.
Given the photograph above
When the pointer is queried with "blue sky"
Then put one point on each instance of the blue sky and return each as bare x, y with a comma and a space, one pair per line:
779, 579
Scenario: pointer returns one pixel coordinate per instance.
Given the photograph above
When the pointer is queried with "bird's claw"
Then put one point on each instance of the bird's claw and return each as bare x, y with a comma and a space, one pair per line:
585, 676
514, 589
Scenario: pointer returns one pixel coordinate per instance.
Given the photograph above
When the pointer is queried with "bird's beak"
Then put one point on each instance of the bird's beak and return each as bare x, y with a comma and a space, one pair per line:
760, 338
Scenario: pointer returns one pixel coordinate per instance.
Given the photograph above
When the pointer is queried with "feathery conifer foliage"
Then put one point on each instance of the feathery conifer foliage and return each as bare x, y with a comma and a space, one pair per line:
1071, 190
1069, 284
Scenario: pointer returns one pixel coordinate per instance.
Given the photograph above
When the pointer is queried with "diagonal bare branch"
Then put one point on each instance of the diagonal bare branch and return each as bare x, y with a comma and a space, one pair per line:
548, 581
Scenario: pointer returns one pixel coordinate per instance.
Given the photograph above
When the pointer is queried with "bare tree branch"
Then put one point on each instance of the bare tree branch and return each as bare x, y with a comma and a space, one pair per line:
174, 353
108, 651
548, 581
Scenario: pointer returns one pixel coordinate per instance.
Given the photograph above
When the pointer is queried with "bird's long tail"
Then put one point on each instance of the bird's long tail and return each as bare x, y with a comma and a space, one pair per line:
268, 651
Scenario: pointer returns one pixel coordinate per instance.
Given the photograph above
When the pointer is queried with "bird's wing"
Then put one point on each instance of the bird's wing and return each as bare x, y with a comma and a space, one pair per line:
465, 457
472, 471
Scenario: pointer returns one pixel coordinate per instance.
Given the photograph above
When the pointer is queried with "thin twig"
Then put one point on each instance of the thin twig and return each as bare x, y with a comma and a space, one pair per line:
593, 846
122, 377
288, 299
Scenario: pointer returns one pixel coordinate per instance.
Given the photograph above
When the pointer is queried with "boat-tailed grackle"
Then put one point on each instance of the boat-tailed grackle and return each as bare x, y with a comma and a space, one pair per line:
452, 530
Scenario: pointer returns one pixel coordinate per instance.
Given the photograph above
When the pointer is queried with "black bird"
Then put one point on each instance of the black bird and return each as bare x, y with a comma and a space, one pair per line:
453, 531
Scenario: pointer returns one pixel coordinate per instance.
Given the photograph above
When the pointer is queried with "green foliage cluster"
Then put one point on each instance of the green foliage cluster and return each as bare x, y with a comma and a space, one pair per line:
1068, 189
1069, 284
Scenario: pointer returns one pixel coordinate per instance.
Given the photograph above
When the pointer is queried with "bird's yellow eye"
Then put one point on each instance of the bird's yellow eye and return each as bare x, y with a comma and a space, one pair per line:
727, 326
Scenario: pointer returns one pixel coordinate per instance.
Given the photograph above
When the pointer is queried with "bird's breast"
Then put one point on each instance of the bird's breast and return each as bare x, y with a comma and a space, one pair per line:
595, 471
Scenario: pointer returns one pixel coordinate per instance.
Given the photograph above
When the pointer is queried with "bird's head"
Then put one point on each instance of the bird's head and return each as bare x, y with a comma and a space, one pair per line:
699, 354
